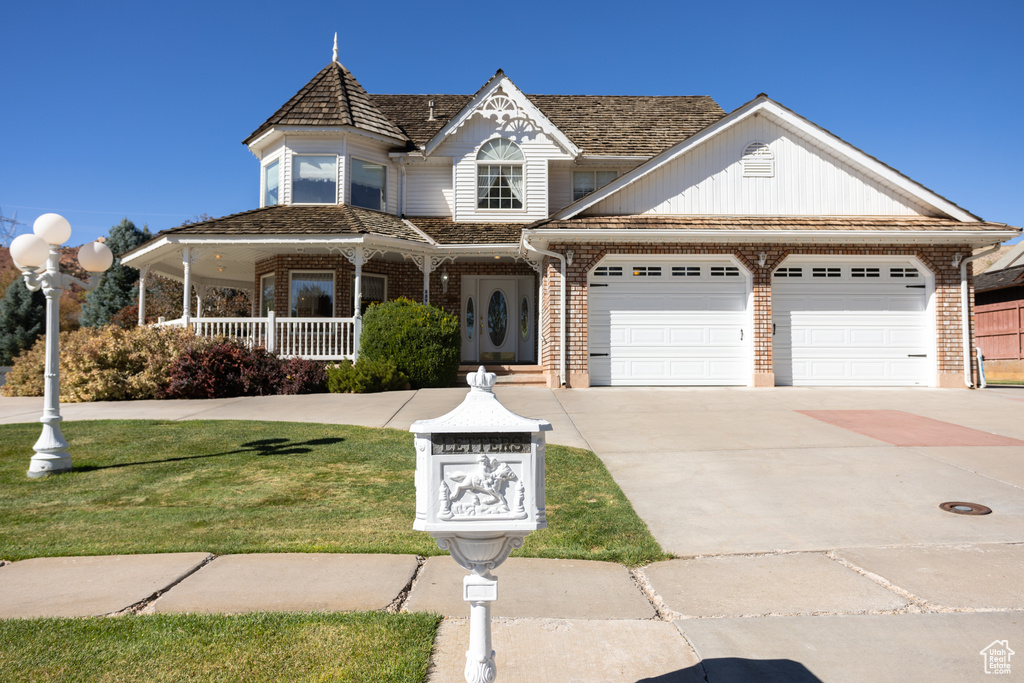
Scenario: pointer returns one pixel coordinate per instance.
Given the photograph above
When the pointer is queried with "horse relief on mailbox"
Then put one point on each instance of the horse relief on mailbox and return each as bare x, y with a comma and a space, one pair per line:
491, 488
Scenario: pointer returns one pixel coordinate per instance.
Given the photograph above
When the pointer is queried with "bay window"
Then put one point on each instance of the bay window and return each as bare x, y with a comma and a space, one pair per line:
369, 185
312, 294
314, 179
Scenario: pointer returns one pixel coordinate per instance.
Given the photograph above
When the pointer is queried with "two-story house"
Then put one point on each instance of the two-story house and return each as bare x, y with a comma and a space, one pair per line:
609, 240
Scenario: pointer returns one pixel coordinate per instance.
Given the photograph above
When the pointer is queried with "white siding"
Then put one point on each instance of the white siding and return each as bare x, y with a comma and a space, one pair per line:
561, 184
709, 180
428, 188
538, 149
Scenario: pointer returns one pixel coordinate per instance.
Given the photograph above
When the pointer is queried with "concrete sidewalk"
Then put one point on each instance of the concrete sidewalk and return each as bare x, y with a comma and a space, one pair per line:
809, 546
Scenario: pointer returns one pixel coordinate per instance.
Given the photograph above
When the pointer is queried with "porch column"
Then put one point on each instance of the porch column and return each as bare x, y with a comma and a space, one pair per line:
186, 305
428, 267
357, 300
143, 272
200, 295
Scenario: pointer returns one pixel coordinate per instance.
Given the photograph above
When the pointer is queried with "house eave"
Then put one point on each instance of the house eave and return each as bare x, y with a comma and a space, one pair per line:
973, 238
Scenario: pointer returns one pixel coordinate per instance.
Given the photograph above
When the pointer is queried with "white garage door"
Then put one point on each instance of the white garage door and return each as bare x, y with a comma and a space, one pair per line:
668, 323
841, 324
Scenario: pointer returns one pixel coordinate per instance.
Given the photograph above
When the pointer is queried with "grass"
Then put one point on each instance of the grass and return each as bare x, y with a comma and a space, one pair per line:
253, 647
240, 487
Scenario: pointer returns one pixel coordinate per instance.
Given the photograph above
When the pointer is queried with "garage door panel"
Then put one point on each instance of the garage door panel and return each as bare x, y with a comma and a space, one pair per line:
665, 331
868, 332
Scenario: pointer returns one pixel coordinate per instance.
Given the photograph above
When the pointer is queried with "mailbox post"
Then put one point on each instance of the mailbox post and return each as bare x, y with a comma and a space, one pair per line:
479, 492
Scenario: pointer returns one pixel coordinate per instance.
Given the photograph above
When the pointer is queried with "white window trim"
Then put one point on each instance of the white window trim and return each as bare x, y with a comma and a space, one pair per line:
299, 271
295, 174
279, 158
478, 162
387, 180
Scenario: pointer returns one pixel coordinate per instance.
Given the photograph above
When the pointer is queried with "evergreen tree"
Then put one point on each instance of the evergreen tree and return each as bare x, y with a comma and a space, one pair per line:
22, 319
119, 286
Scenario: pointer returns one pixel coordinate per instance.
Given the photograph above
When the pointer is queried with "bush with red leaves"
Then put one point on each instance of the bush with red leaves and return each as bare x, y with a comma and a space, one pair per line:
222, 370
302, 376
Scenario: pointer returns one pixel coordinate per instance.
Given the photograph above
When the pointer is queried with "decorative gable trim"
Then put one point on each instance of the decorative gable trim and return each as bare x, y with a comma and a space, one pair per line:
763, 105
502, 101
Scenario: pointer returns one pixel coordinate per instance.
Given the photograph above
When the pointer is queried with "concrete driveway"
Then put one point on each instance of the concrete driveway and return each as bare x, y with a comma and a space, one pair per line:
805, 523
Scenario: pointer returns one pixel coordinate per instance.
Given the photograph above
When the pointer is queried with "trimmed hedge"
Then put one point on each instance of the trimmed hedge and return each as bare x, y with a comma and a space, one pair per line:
366, 376
423, 341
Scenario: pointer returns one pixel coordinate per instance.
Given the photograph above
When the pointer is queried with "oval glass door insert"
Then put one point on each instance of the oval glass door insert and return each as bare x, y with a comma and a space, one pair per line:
469, 318
497, 318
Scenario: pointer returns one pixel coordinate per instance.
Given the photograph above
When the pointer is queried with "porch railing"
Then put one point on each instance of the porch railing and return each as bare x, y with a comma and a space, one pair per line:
312, 338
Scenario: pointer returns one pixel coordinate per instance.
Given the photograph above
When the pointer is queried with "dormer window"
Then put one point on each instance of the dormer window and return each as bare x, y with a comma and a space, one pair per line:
314, 179
369, 185
499, 175
271, 181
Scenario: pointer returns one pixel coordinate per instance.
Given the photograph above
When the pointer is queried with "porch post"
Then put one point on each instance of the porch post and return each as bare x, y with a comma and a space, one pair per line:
428, 268
186, 305
200, 295
357, 300
271, 332
143, 272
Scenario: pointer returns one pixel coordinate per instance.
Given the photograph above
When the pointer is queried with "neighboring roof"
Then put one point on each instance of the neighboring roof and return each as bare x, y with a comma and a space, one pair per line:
600, 125
333, 98
446, 231
999, 279
1013, 256
844, 223
302, 220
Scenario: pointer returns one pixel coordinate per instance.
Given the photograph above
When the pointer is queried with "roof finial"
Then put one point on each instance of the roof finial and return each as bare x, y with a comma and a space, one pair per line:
335, 46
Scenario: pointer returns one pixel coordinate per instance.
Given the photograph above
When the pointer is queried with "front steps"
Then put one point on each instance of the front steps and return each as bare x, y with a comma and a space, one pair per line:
509, 375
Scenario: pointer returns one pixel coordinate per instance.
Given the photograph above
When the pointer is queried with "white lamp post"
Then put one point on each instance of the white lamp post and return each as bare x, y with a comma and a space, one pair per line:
30, 252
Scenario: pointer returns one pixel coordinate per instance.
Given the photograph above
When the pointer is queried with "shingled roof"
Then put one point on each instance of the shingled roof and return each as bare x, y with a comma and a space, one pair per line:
446, 231
333, 98
303, 220
614, 125
998, 279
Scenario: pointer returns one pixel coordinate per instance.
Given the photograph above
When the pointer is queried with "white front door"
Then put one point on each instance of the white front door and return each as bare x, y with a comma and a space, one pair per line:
851, 323
673, 322
498, 319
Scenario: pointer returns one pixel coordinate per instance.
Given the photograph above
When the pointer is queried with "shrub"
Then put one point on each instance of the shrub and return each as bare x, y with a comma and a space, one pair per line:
222, 370
365, 376
301, 376
423, 341
103, 363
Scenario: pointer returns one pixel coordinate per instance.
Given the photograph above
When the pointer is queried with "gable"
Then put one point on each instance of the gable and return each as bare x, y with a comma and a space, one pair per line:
784, 173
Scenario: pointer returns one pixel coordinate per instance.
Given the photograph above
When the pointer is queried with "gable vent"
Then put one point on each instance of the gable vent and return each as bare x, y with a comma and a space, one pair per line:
758, 161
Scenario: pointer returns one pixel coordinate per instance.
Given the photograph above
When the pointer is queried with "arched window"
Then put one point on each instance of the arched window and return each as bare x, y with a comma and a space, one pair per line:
499, 175
758, 161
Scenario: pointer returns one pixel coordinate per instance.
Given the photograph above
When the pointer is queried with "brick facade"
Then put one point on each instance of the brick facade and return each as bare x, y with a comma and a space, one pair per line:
938, 259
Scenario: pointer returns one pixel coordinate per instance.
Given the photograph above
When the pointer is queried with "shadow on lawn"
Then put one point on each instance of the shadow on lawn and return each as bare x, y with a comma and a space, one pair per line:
262, 447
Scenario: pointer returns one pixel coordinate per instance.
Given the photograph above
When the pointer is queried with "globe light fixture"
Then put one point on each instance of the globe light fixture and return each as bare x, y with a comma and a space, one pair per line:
31, 253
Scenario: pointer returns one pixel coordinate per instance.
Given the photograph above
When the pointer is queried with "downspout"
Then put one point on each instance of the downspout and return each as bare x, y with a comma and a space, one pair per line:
561, 334
965, 312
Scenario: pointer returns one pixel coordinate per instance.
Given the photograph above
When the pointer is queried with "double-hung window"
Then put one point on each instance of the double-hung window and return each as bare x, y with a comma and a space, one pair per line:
312, 294
314, 179
369, 185
585, 182
499, 175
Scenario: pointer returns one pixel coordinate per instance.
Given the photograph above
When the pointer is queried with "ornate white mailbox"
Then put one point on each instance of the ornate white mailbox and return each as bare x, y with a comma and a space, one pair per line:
479, 492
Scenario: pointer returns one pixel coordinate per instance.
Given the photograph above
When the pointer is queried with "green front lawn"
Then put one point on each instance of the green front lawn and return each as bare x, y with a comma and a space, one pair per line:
240, 487
367, 647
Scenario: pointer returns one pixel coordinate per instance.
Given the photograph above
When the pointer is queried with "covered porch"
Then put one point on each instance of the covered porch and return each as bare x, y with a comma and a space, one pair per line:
309, 290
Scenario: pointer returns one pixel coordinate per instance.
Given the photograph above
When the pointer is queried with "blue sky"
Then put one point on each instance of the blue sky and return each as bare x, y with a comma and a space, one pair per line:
137, 109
